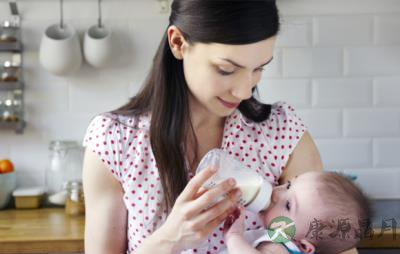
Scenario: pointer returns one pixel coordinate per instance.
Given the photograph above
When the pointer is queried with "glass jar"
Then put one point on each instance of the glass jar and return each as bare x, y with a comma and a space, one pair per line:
9, 72
11, 106
8, 113
17, 105
8, 33
75, 202
65, 165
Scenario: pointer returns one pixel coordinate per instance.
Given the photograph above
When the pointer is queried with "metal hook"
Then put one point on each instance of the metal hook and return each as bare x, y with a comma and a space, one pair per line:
61, 14
15, 21
99, 20
164, 6
14, 8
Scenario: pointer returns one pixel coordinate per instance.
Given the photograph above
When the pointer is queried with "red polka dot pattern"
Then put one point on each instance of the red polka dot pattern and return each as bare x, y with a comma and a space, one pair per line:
123, 144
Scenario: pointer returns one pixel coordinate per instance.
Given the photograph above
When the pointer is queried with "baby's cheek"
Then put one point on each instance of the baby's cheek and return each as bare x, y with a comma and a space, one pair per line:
269, 216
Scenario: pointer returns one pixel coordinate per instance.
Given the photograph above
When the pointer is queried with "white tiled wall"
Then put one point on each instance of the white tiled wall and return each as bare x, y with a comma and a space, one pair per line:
339, 65
337, 62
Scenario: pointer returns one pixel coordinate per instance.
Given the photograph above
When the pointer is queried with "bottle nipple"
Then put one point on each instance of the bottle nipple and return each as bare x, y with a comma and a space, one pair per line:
262, 199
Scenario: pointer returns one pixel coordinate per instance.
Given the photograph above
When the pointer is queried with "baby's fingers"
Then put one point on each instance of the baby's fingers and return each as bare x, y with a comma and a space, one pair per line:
242, 212
228, 222
239, 215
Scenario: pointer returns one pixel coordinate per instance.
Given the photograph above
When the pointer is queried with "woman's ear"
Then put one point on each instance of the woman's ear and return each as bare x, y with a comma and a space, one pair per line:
306, 246
176, 41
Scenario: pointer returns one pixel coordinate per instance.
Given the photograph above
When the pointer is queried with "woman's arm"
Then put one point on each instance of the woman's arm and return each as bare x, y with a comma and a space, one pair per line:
106, 215
186, 226
305, 157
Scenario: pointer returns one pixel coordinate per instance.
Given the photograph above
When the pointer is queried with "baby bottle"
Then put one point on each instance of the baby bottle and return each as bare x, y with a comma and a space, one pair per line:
256, 193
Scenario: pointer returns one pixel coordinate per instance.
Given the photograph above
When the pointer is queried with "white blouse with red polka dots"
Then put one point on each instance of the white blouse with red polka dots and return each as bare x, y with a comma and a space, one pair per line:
123, 144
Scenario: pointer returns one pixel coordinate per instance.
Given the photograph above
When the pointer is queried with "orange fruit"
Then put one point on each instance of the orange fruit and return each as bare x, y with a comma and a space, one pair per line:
6, 166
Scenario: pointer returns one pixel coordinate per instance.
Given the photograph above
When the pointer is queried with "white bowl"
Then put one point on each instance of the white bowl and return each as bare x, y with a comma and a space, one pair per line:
8, 183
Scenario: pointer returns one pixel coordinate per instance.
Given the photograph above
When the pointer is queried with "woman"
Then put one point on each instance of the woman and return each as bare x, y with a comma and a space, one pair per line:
141, 192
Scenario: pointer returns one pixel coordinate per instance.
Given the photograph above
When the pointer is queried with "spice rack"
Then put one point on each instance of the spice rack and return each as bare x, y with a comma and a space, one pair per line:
11, 80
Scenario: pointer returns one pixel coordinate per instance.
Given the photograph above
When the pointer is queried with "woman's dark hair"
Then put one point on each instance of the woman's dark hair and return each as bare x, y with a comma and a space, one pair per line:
164, 93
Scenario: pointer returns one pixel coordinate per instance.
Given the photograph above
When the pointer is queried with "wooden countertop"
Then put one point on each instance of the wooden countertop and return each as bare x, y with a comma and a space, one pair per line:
383, 212
51, 230
40, 230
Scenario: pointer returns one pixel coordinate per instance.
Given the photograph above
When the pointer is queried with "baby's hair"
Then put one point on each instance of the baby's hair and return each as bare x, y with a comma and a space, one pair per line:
346, 200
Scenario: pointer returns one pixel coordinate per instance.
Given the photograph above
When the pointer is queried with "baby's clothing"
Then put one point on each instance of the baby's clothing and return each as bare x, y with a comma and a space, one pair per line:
255, 237
123, 144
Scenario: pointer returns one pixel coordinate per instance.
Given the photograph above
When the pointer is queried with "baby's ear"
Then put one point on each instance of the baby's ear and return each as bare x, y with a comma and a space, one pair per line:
306, 246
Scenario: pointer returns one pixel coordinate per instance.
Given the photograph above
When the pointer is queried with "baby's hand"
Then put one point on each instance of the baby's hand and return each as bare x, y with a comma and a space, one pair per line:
234, 224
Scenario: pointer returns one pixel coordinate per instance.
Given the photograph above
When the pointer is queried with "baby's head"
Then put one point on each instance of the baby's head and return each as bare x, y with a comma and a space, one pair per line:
323, 197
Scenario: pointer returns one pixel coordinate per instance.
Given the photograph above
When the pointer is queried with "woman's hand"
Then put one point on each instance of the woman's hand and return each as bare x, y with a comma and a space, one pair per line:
234, 224
189, 223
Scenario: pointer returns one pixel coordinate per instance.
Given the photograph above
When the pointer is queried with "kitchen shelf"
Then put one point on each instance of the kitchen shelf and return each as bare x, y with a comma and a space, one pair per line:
12, 81
11, 46
10, 86
17, 126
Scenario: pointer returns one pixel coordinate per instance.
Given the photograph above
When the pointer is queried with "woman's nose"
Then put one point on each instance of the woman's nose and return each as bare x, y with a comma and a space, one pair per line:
243, 90
242, 93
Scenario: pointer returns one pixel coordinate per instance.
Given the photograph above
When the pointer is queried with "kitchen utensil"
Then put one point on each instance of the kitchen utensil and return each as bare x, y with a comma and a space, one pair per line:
97, 44
60, 50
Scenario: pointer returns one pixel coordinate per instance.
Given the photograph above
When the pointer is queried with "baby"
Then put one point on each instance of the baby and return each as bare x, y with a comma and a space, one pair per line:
329, 201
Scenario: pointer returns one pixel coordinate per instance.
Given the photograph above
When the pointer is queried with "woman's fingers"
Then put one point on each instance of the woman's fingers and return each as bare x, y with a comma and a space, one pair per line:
218, 220
222, 208
212, 194
200, 192
194, 185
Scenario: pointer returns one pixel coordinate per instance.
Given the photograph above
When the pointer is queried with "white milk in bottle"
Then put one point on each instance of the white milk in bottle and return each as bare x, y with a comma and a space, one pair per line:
256, 193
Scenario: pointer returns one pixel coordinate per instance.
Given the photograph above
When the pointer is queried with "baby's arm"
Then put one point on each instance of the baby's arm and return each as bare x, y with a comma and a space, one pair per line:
272, 248
237, 244
233, 233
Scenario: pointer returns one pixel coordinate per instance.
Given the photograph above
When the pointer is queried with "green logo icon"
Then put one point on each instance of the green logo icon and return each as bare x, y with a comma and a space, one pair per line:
281, 229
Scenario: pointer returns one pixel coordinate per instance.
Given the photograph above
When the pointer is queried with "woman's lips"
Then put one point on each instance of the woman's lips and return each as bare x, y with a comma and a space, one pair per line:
228, 104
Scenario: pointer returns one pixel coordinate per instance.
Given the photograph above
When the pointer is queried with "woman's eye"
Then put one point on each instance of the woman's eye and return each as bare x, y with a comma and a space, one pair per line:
225, 73
261, 69
288, 205
288, 186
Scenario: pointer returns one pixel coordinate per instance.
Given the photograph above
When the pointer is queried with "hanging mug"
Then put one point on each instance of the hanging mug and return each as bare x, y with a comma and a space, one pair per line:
97, 46
60, 51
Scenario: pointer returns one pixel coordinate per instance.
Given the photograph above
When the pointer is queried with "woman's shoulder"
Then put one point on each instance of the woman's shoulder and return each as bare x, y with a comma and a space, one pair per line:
109, 120
117, 140
283, 114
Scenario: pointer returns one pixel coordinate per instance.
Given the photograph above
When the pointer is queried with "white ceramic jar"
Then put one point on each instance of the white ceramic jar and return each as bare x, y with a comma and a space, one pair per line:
60, 50
97, 46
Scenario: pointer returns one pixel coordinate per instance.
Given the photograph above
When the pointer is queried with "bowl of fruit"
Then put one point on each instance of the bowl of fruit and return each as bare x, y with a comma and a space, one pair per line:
8, 182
